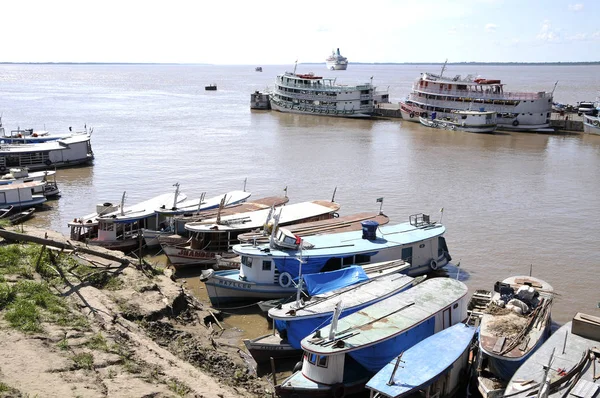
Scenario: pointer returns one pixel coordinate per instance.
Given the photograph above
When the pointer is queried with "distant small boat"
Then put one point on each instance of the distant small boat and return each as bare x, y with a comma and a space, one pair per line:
22, 216
211, 87
258, 69
6, 211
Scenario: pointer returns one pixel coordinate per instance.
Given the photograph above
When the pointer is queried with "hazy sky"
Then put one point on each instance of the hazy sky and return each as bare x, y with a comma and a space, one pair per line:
279, 32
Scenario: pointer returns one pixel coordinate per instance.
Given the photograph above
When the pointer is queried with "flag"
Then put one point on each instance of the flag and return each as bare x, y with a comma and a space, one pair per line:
379, 200
442, 210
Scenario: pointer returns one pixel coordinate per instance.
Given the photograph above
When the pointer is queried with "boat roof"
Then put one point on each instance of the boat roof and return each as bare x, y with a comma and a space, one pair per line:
21, 185
351, 296
423, 362
259, 204
352, 222
349, 242
62, 143
192, 204
143, 209
256, 219
388, 318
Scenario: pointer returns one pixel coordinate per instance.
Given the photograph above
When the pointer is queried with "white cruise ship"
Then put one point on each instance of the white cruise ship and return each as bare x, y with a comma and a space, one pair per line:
443, 95
336, 61
315, 95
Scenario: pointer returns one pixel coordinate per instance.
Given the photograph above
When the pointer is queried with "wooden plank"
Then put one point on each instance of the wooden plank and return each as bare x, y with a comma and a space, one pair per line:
499, 344
524, 344
524, 281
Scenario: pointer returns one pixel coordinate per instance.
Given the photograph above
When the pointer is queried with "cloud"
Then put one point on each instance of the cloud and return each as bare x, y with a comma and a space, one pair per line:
491, 27
575, 7
547, 33
579, 37
596, 35
452, 30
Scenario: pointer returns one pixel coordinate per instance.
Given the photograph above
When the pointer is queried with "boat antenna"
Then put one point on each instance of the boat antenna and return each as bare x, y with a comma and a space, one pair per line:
380, 200
443, 68
285, 190
295, 65
201, 200
396, 366
220, 208
333, 197
123, 203
554, 88
441, 214
245, 180
176, 185
336, 316
300, 278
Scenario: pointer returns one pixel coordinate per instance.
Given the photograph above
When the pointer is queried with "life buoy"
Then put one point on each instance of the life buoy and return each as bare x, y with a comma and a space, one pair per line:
596, 123
339, 391
285, 279
336, 215
411, 115
2, 168
47, 162
515, 123
297, 367
434, 265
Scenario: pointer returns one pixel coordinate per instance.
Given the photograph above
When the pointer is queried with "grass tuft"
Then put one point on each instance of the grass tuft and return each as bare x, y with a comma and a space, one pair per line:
178, 388
83, 360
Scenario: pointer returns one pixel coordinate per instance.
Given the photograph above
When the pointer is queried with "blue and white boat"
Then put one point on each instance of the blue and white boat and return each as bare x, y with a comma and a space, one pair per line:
31, 136
166, 214
565, 365
269, 271
297, 319
436, 366
340, 358
21, 195
514, 325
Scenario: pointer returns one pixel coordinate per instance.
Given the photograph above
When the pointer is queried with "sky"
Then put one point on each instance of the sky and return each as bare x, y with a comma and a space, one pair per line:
280, 32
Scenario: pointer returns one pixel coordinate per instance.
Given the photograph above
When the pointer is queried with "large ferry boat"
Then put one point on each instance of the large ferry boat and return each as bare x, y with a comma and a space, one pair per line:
315, 95
336, 61
520, 111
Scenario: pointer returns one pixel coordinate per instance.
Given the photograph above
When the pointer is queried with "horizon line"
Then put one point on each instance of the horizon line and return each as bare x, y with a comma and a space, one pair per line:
310, 63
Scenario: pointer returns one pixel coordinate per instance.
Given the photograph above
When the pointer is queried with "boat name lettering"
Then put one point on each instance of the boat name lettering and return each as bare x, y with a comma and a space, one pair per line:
195, 253
236, 284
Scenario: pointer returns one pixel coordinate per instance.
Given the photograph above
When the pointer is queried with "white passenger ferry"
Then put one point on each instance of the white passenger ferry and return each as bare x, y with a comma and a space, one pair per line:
515, 110
336, 61
316, 95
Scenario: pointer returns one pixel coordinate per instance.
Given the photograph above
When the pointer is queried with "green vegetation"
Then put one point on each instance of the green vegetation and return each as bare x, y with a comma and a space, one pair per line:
178, 388
97, 342
83, 360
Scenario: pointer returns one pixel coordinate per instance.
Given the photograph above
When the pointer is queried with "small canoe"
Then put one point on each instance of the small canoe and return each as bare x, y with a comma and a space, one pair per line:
21, 216
5, 212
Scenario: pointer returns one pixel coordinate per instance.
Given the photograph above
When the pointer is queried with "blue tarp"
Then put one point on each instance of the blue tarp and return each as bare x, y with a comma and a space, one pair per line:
291, 265
375, 357
324, 282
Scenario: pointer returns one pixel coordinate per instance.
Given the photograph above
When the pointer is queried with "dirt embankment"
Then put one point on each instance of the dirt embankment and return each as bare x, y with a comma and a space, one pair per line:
76, 323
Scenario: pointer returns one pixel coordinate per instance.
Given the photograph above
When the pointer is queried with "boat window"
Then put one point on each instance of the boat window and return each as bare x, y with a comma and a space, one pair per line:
362, 258
266, 265
407, 254
322, 362
312, 358
247, 261
348, 260
2, 197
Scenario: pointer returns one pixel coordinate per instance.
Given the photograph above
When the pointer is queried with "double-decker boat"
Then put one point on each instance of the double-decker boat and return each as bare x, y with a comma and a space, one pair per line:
336, 61
316, 95
443, 95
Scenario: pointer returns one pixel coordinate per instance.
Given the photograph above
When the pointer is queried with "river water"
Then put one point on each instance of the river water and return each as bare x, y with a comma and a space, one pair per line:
512, 201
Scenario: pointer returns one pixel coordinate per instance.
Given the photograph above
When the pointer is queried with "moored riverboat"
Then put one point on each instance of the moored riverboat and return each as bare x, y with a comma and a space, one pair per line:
469, 121
519, 111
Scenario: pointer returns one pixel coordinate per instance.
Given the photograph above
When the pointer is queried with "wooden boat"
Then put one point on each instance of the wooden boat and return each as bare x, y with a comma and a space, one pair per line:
20, 195
6, 211
211, 87
19, 175
297, 319
434, 367
420, 242
334, 225
118, 227
513, 326
565, 365
340, 358
165, 214
21, 216
469, 121
66, 152
216, 236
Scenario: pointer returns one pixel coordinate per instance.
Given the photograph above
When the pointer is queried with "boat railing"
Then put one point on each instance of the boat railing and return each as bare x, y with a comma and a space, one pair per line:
326, 87
484, 94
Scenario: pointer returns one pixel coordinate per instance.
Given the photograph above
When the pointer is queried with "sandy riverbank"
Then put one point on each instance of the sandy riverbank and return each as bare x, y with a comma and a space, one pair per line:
97, 324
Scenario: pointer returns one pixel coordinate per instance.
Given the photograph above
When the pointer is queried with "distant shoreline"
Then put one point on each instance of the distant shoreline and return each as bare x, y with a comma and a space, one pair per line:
318, 63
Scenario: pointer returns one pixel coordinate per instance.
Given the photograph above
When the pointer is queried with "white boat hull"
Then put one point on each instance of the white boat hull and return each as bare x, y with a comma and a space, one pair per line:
336, 66
305, 111
591, 125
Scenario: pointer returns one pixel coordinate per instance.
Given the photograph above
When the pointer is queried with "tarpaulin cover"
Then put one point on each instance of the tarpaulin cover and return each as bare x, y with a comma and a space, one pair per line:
323, 282
291, 265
